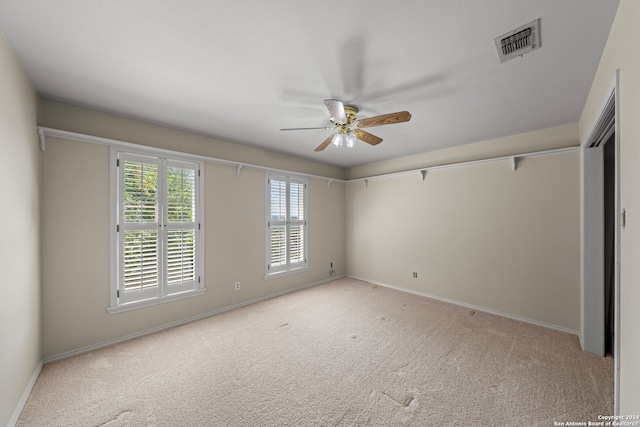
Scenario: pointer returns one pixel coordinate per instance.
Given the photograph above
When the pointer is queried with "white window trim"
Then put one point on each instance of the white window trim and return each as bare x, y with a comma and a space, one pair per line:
305, 266
155, 301
200, 289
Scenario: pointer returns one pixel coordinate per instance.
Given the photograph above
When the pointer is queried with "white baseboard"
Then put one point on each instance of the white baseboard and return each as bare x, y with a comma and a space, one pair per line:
180, 322
471, 306
25, 396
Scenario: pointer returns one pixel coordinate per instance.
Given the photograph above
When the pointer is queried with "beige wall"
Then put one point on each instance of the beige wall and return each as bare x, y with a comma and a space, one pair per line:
62, 116
621, 53
75, 233
20, 352
482, 234
545, 139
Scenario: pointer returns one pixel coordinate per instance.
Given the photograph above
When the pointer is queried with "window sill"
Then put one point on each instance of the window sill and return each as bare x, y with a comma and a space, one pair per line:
154, 301
285, 273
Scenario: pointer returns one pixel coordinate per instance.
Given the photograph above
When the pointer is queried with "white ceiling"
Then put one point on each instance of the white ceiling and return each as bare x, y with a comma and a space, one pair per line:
239, 70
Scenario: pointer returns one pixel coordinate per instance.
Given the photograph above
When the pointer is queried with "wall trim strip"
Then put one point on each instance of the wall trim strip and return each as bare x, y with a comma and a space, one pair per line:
45, 132
512, 159
63, 134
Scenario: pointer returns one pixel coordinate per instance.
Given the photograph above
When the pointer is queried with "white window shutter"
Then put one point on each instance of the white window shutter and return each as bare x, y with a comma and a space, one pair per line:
139, 227
158, 233
286, 224
180, 226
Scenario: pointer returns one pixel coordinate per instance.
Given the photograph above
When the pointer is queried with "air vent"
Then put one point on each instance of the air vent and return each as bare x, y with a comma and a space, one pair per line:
518, 42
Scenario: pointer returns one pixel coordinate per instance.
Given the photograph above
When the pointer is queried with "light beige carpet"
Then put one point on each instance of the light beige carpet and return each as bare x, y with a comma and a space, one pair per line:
339, 354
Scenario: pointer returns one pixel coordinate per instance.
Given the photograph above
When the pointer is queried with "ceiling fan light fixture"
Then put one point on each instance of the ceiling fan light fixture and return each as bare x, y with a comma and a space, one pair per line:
350, 139
338, 139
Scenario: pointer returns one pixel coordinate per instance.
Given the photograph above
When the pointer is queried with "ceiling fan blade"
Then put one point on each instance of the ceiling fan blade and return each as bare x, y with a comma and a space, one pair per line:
325, 144
336, 110
367, 137
385, 119
321, 127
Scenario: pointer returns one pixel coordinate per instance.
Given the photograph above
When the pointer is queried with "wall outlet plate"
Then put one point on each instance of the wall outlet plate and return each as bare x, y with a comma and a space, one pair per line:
237, 285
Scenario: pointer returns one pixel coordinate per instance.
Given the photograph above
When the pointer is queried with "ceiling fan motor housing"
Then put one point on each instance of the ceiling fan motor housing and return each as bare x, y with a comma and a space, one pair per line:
350, 112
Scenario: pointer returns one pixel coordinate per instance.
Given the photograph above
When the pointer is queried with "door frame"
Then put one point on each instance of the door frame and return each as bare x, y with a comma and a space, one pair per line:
588, 341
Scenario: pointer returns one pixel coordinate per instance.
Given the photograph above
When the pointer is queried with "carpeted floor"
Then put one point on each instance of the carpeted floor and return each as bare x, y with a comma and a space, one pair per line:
339, 354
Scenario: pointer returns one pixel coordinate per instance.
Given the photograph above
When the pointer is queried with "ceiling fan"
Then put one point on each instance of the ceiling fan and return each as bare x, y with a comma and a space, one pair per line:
349, 127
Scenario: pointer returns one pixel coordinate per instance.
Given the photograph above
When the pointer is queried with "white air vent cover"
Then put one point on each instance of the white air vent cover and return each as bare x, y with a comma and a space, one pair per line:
519, 41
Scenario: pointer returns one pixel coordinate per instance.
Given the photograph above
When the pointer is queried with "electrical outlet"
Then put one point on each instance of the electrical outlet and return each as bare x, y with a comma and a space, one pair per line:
415, 274
237, 286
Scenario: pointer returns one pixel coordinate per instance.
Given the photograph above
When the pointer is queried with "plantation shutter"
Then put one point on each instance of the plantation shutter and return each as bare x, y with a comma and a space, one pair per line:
158, 227
277, 247
139, 224
180, 258
297, 223
286, 224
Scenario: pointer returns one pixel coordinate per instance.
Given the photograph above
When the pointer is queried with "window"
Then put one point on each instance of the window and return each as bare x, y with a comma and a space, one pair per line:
158, 243
286, 224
